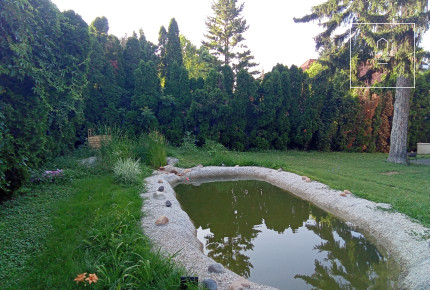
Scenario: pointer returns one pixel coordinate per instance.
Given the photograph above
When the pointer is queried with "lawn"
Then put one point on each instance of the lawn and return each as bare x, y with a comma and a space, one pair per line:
82, 222
88, 222
405, 187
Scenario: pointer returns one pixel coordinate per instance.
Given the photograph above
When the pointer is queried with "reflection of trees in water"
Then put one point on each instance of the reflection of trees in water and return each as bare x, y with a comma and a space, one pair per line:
351, 263
233, 210
232, 213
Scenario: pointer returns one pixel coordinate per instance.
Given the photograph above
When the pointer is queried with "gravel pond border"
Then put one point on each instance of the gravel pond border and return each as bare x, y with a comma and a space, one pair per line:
404, 239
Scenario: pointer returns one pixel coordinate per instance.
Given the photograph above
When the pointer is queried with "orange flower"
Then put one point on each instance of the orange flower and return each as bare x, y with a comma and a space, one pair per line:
92, 278
80, 278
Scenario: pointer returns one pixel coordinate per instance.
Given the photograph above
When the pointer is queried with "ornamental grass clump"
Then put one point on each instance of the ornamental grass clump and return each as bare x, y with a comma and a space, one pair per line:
156, 144
127, 171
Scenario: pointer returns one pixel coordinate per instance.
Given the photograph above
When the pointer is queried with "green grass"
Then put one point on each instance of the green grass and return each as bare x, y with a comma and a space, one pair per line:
84, 223
406, 188
156, 149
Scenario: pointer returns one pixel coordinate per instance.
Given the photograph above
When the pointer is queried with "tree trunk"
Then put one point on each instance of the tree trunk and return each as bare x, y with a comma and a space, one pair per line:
399, 130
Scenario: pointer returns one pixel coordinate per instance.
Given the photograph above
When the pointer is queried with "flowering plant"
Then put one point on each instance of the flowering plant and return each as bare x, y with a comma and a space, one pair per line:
92, 278
53, 174
46, 176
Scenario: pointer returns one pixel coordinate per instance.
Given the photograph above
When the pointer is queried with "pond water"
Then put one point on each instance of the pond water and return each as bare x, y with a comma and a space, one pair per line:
271, 237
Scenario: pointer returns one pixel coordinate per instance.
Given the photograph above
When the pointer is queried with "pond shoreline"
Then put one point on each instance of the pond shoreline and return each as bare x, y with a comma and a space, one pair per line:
402, 238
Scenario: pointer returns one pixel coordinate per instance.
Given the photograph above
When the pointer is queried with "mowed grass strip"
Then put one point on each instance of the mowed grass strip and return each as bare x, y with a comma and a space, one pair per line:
368, 175
98, 231
88, 224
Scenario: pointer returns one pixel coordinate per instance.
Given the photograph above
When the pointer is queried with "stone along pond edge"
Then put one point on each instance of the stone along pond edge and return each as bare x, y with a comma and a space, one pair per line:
401, 237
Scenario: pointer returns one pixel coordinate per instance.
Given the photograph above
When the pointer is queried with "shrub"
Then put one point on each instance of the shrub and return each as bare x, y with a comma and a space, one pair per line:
189, 142
127, 171
213, 148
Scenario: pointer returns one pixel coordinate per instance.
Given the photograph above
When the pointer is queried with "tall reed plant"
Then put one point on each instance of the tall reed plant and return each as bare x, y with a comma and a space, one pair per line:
120, 146
156, 149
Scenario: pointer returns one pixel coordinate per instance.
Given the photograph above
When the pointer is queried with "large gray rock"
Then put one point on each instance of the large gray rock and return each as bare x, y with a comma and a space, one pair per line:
159, 195
216, 268
210, 284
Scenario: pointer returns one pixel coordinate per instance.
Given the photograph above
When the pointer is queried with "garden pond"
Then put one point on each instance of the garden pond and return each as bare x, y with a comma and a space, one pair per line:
272, 237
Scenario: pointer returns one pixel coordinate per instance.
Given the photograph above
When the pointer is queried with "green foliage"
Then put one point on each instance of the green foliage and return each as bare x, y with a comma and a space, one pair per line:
213, 148
147, 86
97, 224
225, 35
133, 54
145, 101
125, 262
199, 61
173, 46
100, 25
121, 146
419, 117
42, 73
156, 144
162, 46
363, 41
70, 77
127, 171
189, 142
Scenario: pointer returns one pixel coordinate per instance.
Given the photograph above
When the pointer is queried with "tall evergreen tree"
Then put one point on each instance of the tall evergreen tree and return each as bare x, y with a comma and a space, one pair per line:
162, 45
133, 54
336, 13
106, 77
225, 35
419, 119
149, 50
241, 108
145, 100
173, 46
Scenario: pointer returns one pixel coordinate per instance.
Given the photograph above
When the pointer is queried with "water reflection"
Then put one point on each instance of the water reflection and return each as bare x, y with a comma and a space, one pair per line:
269, 236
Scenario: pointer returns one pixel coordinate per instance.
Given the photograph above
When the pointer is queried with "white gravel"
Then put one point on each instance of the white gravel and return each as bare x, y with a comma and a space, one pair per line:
401, 237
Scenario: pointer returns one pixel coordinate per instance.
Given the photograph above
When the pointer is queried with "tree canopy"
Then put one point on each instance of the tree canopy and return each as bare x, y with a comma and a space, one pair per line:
225, 35
71, 77
372, 22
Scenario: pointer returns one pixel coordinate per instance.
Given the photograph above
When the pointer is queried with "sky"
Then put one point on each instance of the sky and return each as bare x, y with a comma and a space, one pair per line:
273, 37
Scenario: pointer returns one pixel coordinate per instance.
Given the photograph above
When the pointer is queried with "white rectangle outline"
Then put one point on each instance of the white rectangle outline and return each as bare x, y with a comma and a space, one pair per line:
350, 58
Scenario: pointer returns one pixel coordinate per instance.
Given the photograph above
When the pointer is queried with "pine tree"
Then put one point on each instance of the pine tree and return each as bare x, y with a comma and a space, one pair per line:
336, 13
225, 35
